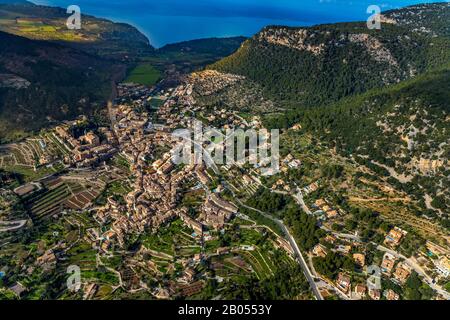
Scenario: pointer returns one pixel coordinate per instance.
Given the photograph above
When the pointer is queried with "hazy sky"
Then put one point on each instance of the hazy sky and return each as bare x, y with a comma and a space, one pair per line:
165, 21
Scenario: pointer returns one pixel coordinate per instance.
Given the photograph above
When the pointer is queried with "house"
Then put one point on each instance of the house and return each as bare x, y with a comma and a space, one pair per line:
343, 282
320, 251
221, 251
202, 177
360, 290
189, 275
319, 203
48, 258
91, 139
18, 289
402, 273
161, 293
198, 257
394, 237
388, 263
375, 294
166, 167
344, 249
62, 132
228, 206
332, 214
158, 163
360, 259
391, 295
216, 212
443, 266
191, 223
331, 239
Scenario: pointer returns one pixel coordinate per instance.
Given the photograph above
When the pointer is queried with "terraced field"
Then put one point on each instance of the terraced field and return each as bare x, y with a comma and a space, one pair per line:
33, 158
59, 195
258, 263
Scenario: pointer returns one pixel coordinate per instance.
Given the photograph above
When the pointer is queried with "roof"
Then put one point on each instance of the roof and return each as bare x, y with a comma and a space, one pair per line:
360, 288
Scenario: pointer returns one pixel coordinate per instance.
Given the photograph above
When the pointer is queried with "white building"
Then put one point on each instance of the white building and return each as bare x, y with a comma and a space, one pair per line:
443, 267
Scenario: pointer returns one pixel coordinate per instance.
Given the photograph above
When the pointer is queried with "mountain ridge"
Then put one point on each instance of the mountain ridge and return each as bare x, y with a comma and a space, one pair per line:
98, 36
44, 82
302, 64
375, 97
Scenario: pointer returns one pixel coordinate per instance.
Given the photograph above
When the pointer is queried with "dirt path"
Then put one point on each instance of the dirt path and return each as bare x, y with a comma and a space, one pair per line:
356, 199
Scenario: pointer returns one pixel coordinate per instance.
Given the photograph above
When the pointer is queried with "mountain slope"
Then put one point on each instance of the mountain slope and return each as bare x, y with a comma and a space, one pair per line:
217, 46
401, 133
321, 64
379, 98
431, 19
97, 36
41, 82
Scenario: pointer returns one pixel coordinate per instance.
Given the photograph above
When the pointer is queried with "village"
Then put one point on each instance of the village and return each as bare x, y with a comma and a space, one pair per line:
184, 214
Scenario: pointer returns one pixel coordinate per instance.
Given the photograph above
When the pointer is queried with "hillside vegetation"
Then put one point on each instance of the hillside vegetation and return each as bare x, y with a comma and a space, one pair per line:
97, 36
309, 67
42, 82
378, 98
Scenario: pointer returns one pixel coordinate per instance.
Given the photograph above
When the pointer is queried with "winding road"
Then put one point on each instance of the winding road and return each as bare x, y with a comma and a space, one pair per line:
6, 226
300, 259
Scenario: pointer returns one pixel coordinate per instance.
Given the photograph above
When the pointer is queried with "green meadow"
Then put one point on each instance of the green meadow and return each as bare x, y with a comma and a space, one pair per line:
144, 74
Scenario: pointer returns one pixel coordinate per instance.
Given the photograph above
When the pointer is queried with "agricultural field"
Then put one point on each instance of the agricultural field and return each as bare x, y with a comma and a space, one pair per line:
175, 238
40, 29
144, 74
33, 158
60, 194
251, 251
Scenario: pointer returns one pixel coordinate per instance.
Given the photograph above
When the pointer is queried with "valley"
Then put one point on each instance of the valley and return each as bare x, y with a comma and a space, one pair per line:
92, 179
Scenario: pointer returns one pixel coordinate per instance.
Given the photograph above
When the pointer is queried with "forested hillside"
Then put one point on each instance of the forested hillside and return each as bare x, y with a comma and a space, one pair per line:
42, 82
379, 98
321, 64
404, 127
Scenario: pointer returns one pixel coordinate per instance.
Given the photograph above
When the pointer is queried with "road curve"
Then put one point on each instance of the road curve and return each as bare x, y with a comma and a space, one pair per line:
300, 259
12, 225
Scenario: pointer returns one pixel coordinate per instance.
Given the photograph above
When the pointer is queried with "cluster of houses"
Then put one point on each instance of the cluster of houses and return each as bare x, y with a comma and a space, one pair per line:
215, 212
290, 162
391, 267
158, 184
133, 94
211, 81
325, 211
311, 188
362, 290
86, 150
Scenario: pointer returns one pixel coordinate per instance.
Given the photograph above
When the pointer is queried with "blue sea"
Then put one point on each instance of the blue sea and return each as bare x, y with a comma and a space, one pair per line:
169, 21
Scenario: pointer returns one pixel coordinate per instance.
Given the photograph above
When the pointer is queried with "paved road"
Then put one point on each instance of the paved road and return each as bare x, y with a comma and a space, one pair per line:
294, 246
299, 198
12, 225
301, 261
